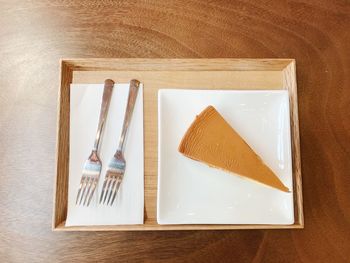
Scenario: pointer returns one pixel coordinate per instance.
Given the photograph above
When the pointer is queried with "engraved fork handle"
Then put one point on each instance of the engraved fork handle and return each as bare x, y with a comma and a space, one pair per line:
106, 98
133, 90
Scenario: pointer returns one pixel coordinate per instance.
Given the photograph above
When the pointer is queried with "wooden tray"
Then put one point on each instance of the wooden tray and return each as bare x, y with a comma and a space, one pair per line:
169, 73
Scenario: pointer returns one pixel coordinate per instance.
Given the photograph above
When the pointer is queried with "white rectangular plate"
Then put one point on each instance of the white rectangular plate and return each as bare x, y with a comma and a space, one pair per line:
190, 192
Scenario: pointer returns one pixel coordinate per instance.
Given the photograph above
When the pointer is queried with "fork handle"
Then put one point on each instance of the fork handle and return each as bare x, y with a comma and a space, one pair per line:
106, 98
133, 90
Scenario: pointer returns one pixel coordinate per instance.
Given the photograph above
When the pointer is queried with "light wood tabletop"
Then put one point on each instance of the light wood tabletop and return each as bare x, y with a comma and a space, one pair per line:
35, 35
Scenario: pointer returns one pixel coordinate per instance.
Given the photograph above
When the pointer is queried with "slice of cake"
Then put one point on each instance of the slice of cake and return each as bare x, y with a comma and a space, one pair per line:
211, 140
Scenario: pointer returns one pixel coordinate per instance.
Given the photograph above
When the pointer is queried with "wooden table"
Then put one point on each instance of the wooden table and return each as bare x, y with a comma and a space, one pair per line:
34, 35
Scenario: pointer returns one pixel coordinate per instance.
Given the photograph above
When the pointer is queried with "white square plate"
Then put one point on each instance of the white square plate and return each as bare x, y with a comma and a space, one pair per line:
190, 192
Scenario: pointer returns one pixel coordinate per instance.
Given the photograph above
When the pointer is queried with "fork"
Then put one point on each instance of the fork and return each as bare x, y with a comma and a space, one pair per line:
92, 167
116, 168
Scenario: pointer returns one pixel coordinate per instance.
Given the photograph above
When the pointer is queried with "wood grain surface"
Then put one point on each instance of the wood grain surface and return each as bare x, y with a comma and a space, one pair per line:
34, 35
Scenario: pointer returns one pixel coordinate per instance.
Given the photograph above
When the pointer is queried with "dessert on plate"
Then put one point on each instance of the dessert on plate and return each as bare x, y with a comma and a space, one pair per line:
211, 140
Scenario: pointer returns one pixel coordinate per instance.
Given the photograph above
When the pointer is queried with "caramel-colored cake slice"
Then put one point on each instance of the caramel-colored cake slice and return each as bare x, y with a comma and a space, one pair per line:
211, 140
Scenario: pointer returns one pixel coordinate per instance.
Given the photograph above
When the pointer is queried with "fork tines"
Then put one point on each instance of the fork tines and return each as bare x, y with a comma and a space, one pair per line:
88, 182
111, 184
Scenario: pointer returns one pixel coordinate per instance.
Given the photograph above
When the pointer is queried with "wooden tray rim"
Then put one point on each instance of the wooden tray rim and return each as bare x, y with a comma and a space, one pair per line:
286, 65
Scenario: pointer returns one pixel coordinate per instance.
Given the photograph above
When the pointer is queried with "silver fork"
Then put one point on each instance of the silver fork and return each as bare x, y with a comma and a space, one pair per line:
116, 167
93, 165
